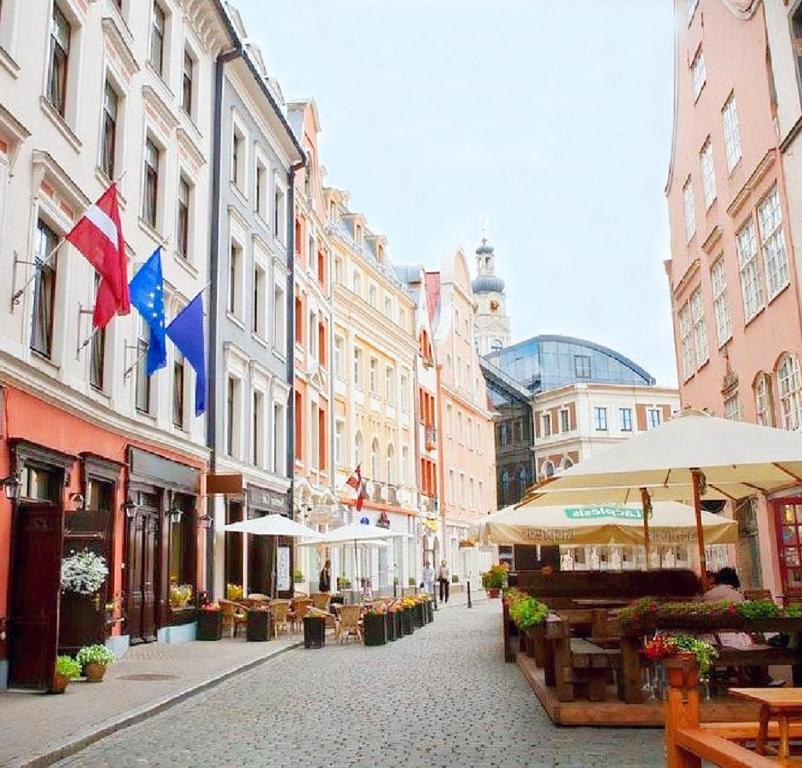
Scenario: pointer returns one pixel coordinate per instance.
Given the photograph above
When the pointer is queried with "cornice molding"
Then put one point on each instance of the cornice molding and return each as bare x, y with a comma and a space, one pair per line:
116, 41
761, 169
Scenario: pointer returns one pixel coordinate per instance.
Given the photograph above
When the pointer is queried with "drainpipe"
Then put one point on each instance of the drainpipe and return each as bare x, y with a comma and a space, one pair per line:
214, 265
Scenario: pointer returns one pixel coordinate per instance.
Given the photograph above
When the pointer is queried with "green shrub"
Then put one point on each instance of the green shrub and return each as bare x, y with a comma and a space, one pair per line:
297, 575
411, 581
526, 612
455, 579
758, 609
794, 611
67, 667
95, 654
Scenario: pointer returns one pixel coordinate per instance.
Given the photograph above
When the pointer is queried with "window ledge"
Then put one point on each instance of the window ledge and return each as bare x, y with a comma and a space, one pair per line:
755, 316
159, 77
8, 62
185, 264
152, 232
280, 354
234, 319
779, 293
260, 340
103, 178
237, 192
63, 126
44, 362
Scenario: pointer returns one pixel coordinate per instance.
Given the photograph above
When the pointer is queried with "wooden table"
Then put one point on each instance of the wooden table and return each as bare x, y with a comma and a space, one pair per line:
780, 704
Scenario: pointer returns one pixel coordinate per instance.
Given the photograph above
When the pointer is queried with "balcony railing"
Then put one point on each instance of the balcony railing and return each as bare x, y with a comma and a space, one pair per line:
431, 438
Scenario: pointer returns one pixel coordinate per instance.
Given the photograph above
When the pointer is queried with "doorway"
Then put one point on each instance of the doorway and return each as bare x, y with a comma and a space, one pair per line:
141, 567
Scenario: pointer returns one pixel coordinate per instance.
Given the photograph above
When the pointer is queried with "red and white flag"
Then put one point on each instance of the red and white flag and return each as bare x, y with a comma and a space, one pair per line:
361, 495
355, 481
99, 236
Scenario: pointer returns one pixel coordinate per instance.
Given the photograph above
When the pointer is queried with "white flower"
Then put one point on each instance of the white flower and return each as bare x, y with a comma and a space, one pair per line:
83, 573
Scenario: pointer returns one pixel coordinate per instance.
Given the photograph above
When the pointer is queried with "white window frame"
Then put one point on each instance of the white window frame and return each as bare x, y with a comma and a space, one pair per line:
698, 72
721, 306
708, 173
772, 243
732, 132
752, 290
700, 344
789, 385
689, 210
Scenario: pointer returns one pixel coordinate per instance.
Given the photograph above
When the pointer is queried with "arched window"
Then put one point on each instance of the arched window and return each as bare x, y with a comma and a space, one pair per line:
505, 486
523, 480
359, 449
547, 468
566, 463
764, 399
789, 383
374, 460
390, 464
496, 345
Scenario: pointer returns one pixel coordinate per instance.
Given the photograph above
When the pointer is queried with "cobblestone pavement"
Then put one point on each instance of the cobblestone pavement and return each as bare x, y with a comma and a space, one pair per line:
442, 697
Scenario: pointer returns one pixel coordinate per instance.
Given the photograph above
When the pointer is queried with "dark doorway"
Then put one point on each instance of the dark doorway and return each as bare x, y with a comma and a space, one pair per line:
35, 588
234, 545
141, 567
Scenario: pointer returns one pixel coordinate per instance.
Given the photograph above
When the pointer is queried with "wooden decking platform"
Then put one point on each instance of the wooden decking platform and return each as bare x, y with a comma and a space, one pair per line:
614, 712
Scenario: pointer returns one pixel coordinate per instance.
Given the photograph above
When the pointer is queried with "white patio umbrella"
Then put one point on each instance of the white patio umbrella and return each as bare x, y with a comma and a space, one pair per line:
273, 525
694, 456
670, 523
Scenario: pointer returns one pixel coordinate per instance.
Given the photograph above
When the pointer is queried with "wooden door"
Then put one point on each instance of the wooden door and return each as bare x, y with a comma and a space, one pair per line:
141, 570
788, 517
35, 589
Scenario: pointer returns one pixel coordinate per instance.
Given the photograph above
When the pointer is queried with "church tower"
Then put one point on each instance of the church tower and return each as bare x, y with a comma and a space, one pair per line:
491, 323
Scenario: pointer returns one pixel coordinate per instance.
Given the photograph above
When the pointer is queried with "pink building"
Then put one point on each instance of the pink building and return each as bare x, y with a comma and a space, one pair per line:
732, 273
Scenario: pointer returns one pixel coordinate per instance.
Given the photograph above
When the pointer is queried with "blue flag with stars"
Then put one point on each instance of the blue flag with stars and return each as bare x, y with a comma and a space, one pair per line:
147, 295
186, 332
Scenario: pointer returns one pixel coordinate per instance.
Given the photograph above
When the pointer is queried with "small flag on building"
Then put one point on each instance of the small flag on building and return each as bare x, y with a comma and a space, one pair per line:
362, 494
98, 236
186, 332
355, 481
147, 295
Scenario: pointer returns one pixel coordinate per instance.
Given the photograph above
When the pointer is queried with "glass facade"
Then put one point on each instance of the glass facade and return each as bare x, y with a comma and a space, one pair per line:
547, 362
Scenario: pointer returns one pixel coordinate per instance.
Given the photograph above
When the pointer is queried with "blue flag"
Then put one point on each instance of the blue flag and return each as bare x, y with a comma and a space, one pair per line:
147, 295
186, 331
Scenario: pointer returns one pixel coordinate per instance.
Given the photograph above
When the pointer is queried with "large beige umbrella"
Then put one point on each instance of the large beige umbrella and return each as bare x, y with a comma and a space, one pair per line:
692, 457
670, 523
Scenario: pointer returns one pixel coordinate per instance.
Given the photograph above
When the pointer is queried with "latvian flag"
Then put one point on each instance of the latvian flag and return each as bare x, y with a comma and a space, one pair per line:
356, 482
99, 236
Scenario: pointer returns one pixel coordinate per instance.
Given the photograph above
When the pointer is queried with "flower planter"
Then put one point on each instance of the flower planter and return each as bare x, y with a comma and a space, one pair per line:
408, 621
258, 627
492, 592
210, 625
94, 672
60, 683
389, 626
430, 611
373, 629
418, 615
398, 625
314, 632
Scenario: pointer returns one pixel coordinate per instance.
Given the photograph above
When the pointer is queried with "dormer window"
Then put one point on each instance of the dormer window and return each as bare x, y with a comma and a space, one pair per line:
358, 234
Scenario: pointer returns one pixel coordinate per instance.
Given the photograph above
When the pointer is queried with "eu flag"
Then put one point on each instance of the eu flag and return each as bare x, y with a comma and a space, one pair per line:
147, 295
186, 332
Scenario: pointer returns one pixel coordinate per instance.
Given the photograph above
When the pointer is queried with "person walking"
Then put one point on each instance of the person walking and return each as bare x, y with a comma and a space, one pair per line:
428, 578
444, 577
324, 583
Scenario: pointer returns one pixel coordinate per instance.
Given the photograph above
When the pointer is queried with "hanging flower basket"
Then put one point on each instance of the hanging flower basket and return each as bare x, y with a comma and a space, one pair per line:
83, 573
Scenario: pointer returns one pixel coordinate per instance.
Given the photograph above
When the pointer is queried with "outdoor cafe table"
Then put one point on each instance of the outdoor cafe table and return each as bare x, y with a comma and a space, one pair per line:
780, 704
632, 642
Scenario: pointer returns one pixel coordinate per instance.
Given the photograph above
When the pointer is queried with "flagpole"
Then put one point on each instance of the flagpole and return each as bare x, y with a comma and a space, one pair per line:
18, 295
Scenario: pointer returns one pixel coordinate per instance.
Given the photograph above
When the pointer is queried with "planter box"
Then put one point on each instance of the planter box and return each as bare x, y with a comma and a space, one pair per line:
314, 632
373, 630
429, 611
389, 626
417, 614
258, 626
398, 624
210, 625
648, 624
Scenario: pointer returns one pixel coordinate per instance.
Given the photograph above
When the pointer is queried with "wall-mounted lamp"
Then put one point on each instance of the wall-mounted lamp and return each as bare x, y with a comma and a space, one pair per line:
78, 502
206, 521
175, 514
11, 487
129, 508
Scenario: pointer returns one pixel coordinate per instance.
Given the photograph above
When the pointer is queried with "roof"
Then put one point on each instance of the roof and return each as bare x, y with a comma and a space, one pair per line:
433, 294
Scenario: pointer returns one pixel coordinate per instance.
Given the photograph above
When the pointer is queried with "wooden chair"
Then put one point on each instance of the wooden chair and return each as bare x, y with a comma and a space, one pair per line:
321, 600
298, 609
349, 623
235, 615
280, 610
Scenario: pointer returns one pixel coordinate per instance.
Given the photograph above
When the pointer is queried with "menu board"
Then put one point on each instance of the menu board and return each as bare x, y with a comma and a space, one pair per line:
283, 581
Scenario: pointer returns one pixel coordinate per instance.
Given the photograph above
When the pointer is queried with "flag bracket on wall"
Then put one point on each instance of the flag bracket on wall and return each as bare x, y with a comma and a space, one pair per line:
139, 355
16, 296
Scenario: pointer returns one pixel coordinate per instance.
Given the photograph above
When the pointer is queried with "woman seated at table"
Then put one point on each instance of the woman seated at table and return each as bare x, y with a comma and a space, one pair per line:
367, 592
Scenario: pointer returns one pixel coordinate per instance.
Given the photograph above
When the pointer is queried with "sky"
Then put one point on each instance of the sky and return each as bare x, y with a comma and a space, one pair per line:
550, 120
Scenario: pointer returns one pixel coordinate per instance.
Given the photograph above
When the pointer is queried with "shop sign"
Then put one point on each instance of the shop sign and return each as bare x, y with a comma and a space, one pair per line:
263, 498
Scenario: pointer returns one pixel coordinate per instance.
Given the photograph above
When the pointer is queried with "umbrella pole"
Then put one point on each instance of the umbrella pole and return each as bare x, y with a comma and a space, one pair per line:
646, 501
697, 476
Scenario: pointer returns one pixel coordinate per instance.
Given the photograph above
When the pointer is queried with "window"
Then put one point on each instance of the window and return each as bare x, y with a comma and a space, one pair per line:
469, 433
108, 138
314, 422
796, 39
150, 200
389, 384
388, 307
142, 385
732, 408
44, 291
178, 390
690, 213
375, 469
279, 429
625, 419
698, 73
261, 188
404, 463
732, 132
790, 386
299, 320
600, 419
232, 403
258, 308
359, 449
452, 486
373, 296
374, 375
279, 310
358, 367
708, 173
462, 489
183, 218
279, 225
339, 361
60, 33
238, 158
775, 259
97, 353
686, 342
188, 76
699, 330
460, 431
449, 420
764, 405
234, 271
582, 366
404, 392
654, 417
157, 39
691, 7
546, 421
257, 422
338, 270
721, 307
751, 284
402, 317
313, 338
565, 425
356, 283
391, 478
339, 445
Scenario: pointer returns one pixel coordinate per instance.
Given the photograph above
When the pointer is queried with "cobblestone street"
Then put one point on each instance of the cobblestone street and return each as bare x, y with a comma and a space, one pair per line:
442, 697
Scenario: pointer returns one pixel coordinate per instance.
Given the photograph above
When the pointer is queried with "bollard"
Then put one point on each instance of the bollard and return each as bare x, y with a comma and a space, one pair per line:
434, 596
469, 594
395, 587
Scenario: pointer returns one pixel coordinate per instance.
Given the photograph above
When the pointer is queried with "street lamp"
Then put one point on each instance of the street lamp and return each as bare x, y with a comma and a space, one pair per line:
11, 487
206, 521
78, 503
129, 508
175, 514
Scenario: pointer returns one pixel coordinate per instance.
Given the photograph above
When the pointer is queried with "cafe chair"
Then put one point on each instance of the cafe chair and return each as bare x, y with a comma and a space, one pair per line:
349, 623
280, 610
234, 616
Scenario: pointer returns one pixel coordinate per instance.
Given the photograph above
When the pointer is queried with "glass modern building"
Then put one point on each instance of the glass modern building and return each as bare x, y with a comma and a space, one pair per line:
547, 362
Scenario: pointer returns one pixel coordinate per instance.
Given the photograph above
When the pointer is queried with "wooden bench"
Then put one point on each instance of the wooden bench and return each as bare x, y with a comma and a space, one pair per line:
574, 661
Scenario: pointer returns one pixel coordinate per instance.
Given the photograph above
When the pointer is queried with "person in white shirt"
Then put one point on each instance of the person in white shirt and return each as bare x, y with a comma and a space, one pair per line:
428, 578
444, 578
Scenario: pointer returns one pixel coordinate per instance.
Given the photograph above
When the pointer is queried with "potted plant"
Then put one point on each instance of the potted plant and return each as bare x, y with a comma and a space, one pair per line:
315, 628
389, 624
210, 622
180, 595
67, 669
94, 659
258, 627
454, 579
298, 576
373, 626
234, 592
397, 617
494, 578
